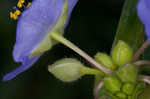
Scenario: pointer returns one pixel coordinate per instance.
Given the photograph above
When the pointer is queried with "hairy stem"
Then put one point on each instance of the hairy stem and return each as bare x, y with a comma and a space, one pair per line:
69, 44
140, 51
142, 62
99, 86
144, 78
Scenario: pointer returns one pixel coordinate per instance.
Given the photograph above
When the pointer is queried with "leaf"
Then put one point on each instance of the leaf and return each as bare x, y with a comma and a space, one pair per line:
130, 29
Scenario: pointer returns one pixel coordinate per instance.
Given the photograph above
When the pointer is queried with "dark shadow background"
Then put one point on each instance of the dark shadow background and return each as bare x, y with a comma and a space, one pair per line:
92, 27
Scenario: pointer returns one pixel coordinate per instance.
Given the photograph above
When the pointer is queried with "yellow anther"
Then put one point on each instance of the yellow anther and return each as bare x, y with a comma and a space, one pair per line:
29, 3
19, 5
17, 12
22, 1
13, 16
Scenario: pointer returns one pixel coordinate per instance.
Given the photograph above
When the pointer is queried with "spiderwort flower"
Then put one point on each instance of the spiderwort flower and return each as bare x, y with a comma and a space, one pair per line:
34, 28
143, 10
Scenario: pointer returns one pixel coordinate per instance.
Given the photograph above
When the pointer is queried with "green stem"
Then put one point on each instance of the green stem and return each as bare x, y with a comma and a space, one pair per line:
91, 71
61, 39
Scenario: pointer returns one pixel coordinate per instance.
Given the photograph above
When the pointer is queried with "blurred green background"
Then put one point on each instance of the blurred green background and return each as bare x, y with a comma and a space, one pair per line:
92, 27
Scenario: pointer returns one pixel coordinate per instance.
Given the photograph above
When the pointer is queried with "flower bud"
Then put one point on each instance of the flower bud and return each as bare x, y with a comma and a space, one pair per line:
122, 53
127, 73
66, 69
128, 88
121, 95
105, 60
112, 84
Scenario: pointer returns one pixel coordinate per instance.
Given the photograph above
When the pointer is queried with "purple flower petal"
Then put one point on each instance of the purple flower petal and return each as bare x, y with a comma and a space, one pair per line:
25, 65
71, 4
143, 11
33, 27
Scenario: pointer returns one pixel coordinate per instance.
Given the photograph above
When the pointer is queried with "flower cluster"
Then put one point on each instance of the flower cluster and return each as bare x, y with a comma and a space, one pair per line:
121, 83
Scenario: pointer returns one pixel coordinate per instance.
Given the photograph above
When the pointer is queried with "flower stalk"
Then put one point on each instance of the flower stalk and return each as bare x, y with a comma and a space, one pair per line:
91, 71
69, 44
99, 86
142, 62
140, 51
144, 78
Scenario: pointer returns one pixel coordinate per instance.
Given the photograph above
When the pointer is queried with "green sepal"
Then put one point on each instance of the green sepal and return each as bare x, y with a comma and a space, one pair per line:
122, 53
128, 73
59, 27
105, 60
46, 44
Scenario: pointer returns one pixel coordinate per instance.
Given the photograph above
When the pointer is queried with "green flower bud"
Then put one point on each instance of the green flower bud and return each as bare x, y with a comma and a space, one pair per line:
128, 88
112, 84
66, 69
122, 53
127, 73
121, 95
105, 60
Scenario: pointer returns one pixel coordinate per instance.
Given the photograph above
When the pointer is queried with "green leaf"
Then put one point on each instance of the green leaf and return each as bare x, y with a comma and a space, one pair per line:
130, 28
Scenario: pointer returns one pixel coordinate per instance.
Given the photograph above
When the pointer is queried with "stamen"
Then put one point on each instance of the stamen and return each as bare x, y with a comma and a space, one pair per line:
13, 16
17, 12
21, 6
22, 1
28, 5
